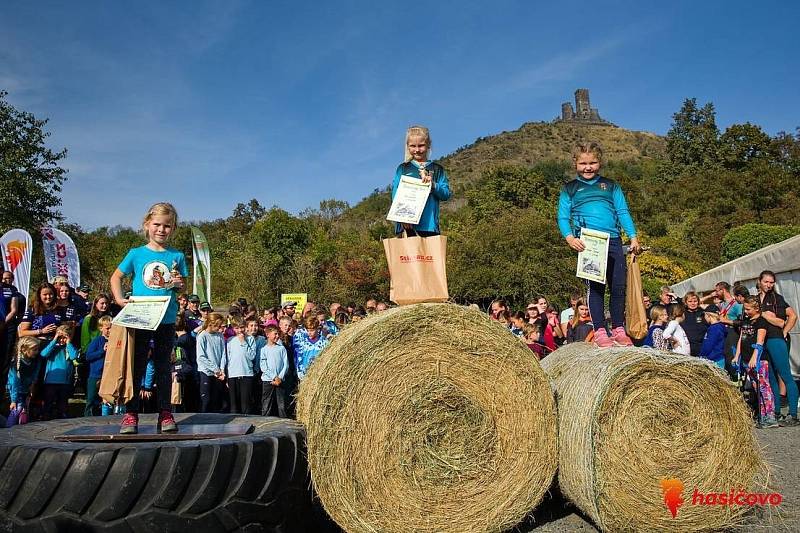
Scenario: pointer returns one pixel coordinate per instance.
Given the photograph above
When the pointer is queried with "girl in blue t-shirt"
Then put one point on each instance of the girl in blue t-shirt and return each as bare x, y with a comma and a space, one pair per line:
156, 270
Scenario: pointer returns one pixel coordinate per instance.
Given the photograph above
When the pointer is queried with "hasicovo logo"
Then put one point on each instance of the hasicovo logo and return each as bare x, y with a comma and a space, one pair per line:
673, 494
673, 497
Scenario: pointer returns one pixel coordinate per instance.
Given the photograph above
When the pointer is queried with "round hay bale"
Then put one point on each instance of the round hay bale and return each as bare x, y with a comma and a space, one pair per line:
428, 418
632, 417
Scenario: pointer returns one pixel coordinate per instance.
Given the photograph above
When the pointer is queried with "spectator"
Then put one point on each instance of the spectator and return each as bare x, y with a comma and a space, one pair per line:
288, 308
780, 318
713, 347
96, 355
89, 327
655, 333
569, 313
694, 323
580, 328
42, 319
210, 352
274, 364
308, 343
59, 355
674, 332
239, 363
518, 322
750, 354
497, 307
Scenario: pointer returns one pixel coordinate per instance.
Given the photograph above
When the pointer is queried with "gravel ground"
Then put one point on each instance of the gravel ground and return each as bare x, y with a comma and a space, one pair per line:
557, 516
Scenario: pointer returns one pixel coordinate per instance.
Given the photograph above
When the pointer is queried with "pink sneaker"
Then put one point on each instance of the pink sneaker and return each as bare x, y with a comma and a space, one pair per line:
166, 422
620, 337
601, 339
130, 424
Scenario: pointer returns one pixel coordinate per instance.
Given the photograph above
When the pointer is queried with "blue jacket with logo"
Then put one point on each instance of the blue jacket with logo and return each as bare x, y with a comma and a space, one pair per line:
597, 204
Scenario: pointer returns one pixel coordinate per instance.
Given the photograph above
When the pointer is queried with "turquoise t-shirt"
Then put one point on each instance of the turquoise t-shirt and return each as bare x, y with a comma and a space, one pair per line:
152, 276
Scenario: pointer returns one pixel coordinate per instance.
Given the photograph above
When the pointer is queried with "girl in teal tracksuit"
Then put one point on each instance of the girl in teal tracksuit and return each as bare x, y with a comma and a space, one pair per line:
416, 165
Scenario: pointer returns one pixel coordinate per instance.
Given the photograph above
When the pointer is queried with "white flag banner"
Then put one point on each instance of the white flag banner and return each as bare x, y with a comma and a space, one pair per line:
17, 247
61, 256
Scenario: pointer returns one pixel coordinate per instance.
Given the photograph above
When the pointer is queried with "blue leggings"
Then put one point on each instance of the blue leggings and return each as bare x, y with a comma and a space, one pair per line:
616, 279
779, 357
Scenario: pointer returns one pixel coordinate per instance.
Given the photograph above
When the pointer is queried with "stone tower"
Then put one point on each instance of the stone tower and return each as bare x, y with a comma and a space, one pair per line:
583, 113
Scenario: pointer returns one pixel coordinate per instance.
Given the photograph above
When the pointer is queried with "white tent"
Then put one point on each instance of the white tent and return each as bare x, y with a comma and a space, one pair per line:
782, 258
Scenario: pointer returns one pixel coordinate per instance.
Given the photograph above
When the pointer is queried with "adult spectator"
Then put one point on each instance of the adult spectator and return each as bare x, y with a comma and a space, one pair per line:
548, 336
183, 302
727, 303
497, 307
532, 310
9, 313
74, 308
694, 322
781, 318
381, 306
549, 312
308, 342
310, 309
648, 304
192, 312
334, 309
288, 308
43, 317
371, 305
668, 299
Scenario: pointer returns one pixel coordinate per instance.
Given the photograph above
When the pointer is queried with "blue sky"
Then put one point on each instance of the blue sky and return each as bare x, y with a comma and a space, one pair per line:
207, 104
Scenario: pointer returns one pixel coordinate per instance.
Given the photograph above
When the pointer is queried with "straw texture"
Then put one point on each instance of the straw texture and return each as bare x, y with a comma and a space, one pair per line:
428, 418
630, 418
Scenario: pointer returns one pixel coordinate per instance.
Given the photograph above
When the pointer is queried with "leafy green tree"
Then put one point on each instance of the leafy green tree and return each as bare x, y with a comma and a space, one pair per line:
748, 238
741, 144
30, 175
693, 139
510, 187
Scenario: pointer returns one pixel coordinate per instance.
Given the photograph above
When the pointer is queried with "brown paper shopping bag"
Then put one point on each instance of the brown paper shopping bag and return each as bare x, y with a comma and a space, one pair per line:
177, 391
635, 314
116, 385
417, 269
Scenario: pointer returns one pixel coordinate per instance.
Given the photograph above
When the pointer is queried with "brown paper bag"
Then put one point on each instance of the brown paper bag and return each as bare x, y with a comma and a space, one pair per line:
176, 391
635, 313
116, 385
417, 269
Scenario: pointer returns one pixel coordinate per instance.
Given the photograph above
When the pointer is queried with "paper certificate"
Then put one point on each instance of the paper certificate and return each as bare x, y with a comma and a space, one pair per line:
593, 260
143, 312
409, 200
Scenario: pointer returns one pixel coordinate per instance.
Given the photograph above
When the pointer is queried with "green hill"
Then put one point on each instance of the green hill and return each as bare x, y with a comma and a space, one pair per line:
535, 142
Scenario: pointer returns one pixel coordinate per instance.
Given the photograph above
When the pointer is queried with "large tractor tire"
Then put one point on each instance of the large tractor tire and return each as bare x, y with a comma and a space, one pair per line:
253, 482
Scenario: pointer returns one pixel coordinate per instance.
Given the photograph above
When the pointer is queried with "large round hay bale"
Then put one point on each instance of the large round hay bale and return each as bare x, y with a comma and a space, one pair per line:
630, 418
428, 418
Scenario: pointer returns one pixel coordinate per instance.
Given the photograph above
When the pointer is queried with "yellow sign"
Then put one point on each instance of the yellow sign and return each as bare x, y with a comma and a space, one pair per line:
300, 297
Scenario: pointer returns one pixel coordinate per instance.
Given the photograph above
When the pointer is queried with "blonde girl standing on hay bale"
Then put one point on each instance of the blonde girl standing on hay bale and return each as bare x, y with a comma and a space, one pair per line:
594, 202
156, 270
417, 165
22, 375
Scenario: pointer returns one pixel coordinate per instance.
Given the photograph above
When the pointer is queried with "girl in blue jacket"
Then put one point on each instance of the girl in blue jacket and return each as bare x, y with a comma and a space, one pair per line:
416, 165
22, 375
59, 355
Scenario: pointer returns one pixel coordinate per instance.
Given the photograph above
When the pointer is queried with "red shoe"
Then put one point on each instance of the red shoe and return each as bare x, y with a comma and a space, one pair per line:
166, 422
620, 337
601, 339
130, 424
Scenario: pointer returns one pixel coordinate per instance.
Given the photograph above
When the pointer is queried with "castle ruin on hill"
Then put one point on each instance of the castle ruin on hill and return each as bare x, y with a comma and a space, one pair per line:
583, 112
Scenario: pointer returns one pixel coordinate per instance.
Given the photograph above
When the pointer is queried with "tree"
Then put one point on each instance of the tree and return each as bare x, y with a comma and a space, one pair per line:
693, 139
748, 238
742, 144
30, 175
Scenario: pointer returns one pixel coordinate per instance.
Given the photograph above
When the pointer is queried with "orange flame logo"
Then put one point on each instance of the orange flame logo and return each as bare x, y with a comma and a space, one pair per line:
15, 251
673, 494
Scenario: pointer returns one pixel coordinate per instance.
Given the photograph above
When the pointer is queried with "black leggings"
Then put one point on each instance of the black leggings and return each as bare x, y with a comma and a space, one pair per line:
163, 340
